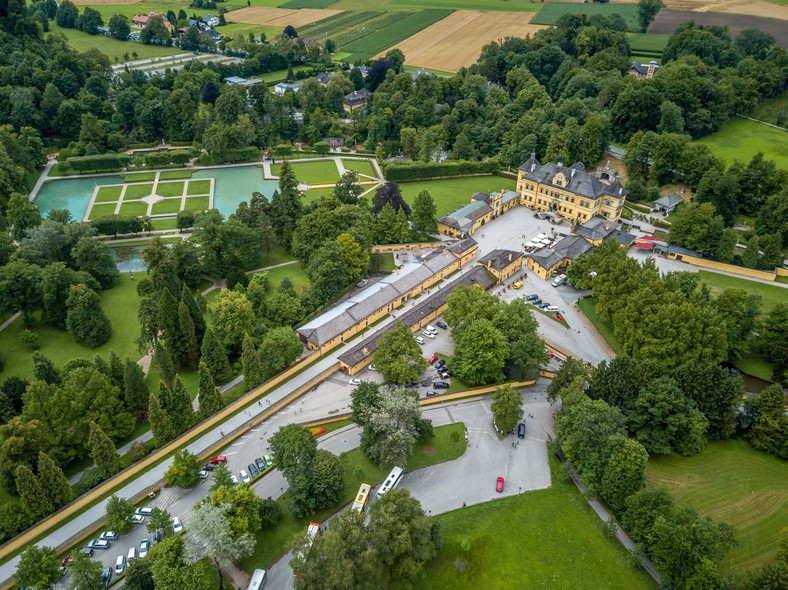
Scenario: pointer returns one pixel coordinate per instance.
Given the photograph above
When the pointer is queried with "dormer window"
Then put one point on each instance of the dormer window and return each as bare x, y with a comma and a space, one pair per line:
559, 179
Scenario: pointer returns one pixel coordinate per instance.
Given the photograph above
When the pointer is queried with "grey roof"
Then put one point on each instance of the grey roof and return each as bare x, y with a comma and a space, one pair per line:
579, 181
323, 77
570, 247
499, 259
481, 197
357, 97
461, 246
234, 80
424, 306
596, 228
489, 85
509, 195
670, 200
623, 237
422, 72
643, 68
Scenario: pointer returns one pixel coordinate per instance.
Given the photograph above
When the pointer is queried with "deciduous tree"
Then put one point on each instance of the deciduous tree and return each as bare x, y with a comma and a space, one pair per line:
399, 357
185, 470
85, 320
85, 572
507, 407
39, 567
119, 514
233, 318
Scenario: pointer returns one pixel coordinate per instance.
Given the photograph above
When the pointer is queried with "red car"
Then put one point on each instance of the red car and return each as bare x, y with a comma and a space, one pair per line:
499, 485
218, 459
66, 561
433, 359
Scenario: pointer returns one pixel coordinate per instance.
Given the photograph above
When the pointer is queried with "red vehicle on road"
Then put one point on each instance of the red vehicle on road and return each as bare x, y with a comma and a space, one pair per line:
433, 359
218, 459
499, 485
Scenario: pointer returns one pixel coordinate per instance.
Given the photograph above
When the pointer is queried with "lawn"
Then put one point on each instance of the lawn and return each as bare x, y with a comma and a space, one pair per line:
276, 255
318, 172
731, 481
647, 43
198, 203
166, 206
279, 75
137, 191
604, 327
199, 187
754, 365
387, 263
741, 139
159, 224
771, 295
108, 194
542, 539
552, 11
102, 209
314, 194
141, 176
773, 110
272, 543
112, 48
294, 271
452, 193
173, 174
136, 208
360, 166
170, 189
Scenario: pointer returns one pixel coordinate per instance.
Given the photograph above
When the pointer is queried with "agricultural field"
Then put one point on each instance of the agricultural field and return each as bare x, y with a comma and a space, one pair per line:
552, 11
542, 539
740, 139
368, 46
279, 17
452, 193
457, 40
667, 21
773, 110
731, 481
347, 27
502, 5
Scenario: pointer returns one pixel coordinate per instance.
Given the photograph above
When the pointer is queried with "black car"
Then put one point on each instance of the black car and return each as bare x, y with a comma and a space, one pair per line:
253, 470
536, 302
106, 576
521, 430
441, 325
544, 305
431, 393
439, 363
155, 538
532, 297
440, 385
87, 551
260, 464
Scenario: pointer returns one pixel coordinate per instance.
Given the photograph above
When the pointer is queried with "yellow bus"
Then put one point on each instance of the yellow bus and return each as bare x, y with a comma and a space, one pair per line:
361, 497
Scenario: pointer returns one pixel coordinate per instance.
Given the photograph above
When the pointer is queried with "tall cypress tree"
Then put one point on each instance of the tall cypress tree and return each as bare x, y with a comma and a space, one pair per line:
53, 481
44, 369
214, 356
191, 346
160, 423
135, 390
253, 367
165, 397
32, 495
102, 366
103, 452
164, 361
169, 323
116, 370
209, 397
194, 310
181, 412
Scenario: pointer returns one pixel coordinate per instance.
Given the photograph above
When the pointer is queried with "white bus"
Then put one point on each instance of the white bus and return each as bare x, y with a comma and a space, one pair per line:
258, 580
391, 482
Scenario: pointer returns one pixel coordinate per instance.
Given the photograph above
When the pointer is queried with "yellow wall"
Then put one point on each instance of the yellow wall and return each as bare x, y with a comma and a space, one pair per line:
530, 196
782, 272
545, 273
748, 272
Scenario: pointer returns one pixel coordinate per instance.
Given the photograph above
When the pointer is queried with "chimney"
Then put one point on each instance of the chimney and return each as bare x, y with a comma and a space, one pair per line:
366, 351
510, 256
573, 172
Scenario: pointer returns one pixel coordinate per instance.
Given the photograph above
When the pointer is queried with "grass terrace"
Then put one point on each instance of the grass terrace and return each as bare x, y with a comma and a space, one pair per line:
770, 295
740, 139
452, 193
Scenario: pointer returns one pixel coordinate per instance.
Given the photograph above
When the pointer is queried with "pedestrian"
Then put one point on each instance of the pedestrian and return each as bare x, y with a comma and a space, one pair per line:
221, 432
260, 403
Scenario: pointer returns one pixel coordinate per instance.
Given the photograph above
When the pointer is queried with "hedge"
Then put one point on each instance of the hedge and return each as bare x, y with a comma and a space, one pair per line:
99, 162
117, 224
421, 170
165, 157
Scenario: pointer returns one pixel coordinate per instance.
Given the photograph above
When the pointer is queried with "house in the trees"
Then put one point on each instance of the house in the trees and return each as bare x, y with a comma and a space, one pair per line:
211, 20
323, 78
283, 87
355, 100
667, 203
643, 71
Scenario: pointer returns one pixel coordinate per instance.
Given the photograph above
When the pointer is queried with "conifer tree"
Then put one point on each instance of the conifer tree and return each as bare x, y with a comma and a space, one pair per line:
102, 366
160, 423
181, 411
32, 495
169, 323
135, 390
253, 367
164, 360
44, 369
165, 397
214, 356
53, 481
209, 397
116, 370
194, 310
103, 452
191, 346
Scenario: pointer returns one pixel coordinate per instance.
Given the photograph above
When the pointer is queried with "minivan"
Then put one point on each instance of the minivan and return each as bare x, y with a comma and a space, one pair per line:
521, 430
551, 308
132, 554
120, 565
559, 280
420, 340
431, 330
253, 470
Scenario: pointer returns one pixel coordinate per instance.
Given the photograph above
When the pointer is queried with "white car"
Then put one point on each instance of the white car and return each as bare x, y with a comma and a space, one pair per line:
244, 476
137, 519
355, 381
420, 340
144, 511
144, 546
203, 474
177, 527
372, 367
431, 330
233, 478
429, 334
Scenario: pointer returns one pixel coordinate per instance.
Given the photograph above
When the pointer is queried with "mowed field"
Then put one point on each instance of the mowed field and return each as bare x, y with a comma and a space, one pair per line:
456, 41
731, 481
741, 139
279, 17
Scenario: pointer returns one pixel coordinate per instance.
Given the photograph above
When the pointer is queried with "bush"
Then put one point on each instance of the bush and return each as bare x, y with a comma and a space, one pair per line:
89, 480
137, 452
419, 170
99, 162
29, 338
117, 224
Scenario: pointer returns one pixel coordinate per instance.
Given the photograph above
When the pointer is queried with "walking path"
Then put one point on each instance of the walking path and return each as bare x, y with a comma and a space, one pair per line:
42, 179
761, 122
222, 283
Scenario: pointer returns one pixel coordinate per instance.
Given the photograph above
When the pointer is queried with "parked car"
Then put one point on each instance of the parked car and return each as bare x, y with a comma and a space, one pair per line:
499, 485
137, 519
551, 308
537, 302
132, 554
234, 478
517, 285
268, 460
431, 329
440, 385
428, 334
362, 283
441, 325
544, 305
99, 544
371, 367
106, 576
144, 510
440, 363
559, 280
253, 470
432, 393
260, 464
443, 374
177, 527
120, 565
67, 561
218, 459
433, 359
355, 381
209, 467
144, 547
420, 340
203, 474
109, 536
532, 297
521, 430
155, 538
244, 476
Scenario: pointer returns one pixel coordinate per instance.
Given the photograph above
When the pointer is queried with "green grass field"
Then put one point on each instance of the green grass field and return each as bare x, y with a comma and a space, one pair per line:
113, 49
731, 481
294, 271
740, 139
314, 194
773, 110
647, 43
108, 194
198, 203
137, 191
272, 543
552, 11
771, 295
166, 206
338, 25
453, 193
136, 208
170, 189
542, 539
159, 224
142, 176
504, 5
605, 328
172, 174
319, 172
102, 209
198, 187
360, 166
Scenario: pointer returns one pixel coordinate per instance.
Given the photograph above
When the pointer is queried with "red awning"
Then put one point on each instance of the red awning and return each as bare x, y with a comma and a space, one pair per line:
645, 245
650, 238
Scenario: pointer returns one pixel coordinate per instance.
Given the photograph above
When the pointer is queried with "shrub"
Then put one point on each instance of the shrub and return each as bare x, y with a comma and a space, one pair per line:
29, 338
418, 170
89, 480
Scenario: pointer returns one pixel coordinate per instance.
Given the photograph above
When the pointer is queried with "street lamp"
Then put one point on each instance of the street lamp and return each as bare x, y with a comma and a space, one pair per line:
520, 490
282, 490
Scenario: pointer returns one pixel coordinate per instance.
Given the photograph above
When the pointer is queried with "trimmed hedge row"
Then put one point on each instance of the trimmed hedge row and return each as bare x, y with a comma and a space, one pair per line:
421, 170
165, 157
99, 162
117, 224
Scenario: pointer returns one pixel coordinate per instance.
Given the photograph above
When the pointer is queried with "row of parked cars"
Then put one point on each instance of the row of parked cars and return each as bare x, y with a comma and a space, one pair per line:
430, 332
534, 299
260, 464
